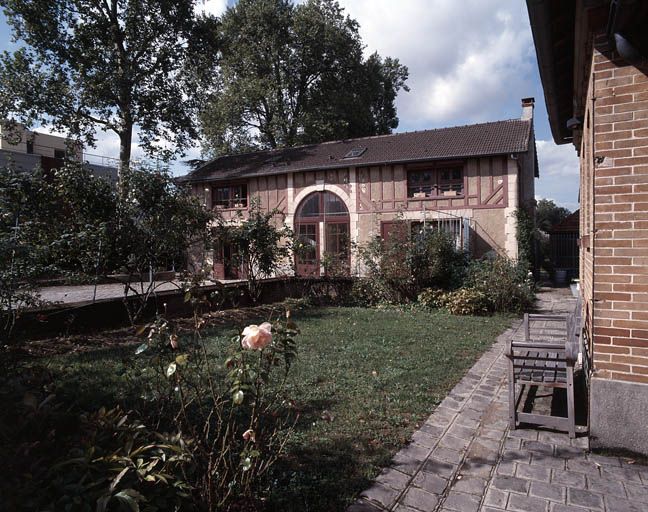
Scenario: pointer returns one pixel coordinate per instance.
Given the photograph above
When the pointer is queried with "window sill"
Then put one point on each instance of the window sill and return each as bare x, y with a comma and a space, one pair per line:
425, 198
233, 209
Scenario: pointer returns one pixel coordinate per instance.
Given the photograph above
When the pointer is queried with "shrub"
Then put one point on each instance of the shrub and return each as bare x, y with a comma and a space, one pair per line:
466, 301
433, 298
238, 423
61, 458
398, 269
261, 246
526, 236
122, 462
434, 260
504, 283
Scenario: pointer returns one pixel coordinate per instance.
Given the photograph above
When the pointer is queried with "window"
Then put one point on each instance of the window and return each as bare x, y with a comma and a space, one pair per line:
308, 237
229, 196
450, 180
435, 182
310, 207
333, 205
322, 204
337, 240
30, 147
450, 225
59, 153
355, 153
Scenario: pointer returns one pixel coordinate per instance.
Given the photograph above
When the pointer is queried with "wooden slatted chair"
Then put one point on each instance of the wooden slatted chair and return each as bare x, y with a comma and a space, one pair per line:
545, 357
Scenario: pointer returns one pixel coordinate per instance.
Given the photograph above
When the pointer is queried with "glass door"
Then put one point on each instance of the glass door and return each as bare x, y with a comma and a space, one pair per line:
308, 251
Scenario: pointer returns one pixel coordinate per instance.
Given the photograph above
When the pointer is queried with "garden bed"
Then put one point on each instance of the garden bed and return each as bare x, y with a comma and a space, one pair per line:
364, 380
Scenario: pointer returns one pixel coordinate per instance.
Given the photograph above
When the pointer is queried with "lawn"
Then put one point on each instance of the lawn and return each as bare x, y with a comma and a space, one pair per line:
364, 378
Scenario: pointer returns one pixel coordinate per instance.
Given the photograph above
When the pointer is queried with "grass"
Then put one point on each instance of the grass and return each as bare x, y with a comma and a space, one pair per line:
365, 380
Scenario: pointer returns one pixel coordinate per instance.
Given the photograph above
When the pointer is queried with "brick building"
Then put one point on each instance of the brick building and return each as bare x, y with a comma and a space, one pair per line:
593, 57
466, 180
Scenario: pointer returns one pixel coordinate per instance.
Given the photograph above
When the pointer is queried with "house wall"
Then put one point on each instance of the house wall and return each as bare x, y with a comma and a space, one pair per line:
376, 194
614, 247
43, 144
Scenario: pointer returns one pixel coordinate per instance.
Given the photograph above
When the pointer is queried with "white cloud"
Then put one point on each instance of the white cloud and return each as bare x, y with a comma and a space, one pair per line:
559, 173
469, 61
557, 161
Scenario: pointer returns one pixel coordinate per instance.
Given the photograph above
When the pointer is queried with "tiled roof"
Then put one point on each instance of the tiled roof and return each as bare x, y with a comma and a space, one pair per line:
495, 138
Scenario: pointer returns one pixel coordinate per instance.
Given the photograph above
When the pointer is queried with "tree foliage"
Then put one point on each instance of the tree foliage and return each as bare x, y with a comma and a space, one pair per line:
69, 223
261, 247
111, 65
295, 74
548, 214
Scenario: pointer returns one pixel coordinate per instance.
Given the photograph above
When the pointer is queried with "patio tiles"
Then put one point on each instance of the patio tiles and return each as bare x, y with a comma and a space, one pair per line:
465, 458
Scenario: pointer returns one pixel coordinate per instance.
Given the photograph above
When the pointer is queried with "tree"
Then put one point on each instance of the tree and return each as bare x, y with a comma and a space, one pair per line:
50, 225
156, 224
111, 65
261, 246
295, 74
548, 214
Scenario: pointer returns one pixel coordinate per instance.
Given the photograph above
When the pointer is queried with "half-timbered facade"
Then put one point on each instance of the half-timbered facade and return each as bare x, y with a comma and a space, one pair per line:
466, 180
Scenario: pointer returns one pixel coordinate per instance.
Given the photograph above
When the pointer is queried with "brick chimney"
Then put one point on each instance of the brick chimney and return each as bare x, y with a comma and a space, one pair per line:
527, 108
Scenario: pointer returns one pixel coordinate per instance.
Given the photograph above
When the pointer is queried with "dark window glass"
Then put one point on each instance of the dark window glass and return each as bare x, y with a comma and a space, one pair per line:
451, 180
333, 205
431, 183
337, 240
59, 153
421, 184
30, 147
307, 234
310, 207
229, 196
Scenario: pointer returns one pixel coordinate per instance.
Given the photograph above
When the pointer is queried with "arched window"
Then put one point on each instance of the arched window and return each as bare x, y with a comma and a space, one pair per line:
318, 205
322, 225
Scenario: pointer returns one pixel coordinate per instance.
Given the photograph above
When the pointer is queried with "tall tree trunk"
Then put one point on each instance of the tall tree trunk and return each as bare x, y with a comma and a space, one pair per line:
125, 138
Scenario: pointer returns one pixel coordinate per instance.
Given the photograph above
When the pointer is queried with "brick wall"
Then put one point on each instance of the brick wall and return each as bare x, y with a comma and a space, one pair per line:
614, 217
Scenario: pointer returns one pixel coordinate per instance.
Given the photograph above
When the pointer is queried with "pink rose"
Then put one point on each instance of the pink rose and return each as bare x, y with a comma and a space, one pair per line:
257, 337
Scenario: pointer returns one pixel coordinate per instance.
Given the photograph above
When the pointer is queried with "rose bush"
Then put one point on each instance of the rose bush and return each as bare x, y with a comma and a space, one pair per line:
235, 416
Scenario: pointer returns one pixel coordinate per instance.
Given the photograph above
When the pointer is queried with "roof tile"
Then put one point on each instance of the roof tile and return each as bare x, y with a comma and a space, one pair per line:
495, 138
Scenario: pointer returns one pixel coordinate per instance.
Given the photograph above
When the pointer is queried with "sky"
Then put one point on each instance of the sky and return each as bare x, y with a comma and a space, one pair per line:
469, 62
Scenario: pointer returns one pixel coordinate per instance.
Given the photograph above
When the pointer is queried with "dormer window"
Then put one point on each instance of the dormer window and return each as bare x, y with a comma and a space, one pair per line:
230, 196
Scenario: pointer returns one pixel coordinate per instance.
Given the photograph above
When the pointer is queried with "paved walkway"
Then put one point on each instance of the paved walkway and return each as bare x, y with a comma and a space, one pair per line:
87, 293
466, 459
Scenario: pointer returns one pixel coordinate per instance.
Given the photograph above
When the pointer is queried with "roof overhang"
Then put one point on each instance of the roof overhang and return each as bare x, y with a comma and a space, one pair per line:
562, 31
552, 25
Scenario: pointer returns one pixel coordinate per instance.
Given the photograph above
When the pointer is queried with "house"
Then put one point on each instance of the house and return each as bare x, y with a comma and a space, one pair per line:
593, 58
26, 150
466, 180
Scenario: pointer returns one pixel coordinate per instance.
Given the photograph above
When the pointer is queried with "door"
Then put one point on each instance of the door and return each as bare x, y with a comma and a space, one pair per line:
337, 248
308, 262
322, 227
